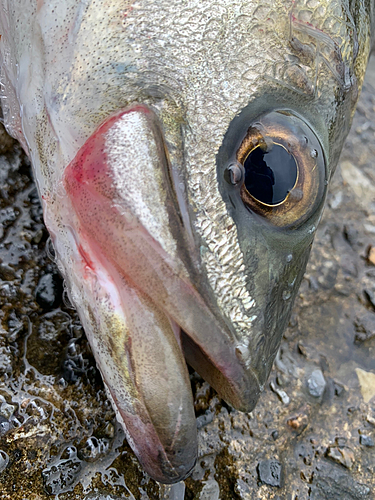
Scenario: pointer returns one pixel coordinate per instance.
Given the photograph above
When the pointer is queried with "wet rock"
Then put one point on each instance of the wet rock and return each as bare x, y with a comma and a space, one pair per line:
48, 291
359, 183
7, 143
205, 419
59, 478
367, 384
104, 496
316, 384
339, 389
342, 455
73, 368
210, 490
327, 275
306, 452
283, 396
6, 410
172, 491
48, 342
352, 235
369, 293
4, 460
15, 326
7, 217
5, 426
365, 327
335, 200
366, 441
270, 472
93, 449
5, 360
331, 483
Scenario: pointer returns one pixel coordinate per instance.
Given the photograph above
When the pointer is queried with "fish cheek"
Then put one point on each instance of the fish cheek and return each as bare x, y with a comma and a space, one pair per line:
283, 287
275, 261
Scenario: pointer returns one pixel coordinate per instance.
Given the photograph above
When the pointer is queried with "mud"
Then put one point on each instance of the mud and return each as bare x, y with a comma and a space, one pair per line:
312, 435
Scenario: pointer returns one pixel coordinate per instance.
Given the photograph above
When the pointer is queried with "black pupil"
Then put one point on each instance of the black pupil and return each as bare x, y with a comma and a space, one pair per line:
269, 176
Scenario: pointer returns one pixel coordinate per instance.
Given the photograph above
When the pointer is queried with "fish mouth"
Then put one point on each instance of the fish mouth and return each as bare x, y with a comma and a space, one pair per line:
142, 313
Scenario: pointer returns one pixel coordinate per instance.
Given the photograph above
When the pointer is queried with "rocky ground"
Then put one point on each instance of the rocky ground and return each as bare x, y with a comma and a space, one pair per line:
312, 435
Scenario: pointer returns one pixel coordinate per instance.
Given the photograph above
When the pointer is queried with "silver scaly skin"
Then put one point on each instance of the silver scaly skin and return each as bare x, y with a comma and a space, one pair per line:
134, 115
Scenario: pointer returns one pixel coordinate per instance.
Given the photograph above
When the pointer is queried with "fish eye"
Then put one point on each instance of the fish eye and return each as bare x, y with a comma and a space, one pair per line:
280, 169
270, 174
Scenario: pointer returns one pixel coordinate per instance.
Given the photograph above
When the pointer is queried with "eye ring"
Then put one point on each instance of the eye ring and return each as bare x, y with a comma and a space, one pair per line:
293, 137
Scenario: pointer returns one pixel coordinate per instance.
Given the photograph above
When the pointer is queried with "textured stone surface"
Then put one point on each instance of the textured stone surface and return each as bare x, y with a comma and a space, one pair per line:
316, 384
270, 472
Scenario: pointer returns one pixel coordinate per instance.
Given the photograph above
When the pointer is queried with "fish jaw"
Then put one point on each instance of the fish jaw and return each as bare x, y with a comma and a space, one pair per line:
144, 372
133, 340
142, 290
143, 369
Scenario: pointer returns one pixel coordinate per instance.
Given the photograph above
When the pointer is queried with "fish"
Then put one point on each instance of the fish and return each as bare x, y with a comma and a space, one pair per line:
182, 152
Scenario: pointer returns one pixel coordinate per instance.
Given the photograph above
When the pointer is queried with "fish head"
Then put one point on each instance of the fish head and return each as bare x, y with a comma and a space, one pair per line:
183, 152
225, 81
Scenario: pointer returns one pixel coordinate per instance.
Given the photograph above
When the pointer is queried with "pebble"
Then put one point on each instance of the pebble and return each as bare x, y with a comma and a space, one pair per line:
339, 389
341, 455
369, 228
371, 256
336, 200
4, 460
351, 234
359, 183
283, 396
270, 472
366, 441
172, 491
4, 425
275, 435
210, 490
370, 295
316, 384
298, 423
367, 384
48, 291
365, 327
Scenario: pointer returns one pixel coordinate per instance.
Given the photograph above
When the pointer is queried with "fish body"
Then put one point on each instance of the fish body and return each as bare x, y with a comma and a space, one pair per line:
155, 130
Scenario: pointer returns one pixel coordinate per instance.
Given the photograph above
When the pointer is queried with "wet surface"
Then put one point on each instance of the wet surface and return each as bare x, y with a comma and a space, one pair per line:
310, 437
